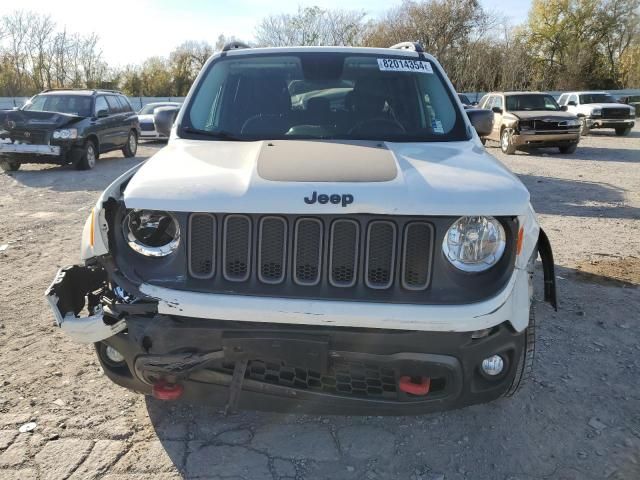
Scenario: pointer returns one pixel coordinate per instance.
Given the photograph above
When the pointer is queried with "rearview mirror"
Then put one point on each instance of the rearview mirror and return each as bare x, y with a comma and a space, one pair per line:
102, 113
163, 118
496, 110
482, 120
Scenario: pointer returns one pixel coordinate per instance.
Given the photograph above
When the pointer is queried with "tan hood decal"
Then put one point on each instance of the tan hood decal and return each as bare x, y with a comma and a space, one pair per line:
326, 161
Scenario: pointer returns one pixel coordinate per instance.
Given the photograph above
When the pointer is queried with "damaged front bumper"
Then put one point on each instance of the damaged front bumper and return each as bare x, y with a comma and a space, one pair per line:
67, 296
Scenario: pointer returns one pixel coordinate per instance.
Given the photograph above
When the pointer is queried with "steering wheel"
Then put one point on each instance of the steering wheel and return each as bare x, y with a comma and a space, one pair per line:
386, 125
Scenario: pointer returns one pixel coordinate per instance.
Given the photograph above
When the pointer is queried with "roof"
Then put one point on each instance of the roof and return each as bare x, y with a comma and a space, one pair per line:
78, 91
517, 93
356, 50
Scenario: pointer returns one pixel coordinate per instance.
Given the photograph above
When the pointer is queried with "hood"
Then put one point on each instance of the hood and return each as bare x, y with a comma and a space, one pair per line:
25, 119
541, 115
439, 178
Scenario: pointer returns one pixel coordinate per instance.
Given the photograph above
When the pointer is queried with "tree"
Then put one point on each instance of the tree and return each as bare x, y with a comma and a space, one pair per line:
312, 26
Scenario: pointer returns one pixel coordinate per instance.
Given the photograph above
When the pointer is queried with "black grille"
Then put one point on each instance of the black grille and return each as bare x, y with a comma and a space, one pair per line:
202, 245
273, 251
147, 127
308, 253
345, 257
345, 239
32, 137
616, 113
381, 248
342, 378
237, 248
556, 126
417, 256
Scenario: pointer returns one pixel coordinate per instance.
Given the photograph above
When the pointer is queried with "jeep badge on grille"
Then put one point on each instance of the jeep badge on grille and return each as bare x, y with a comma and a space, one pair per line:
344, 199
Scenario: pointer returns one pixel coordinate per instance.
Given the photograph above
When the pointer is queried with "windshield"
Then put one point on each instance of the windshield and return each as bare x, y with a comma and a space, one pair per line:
79, 105
316, 95
596, 98
148, 109
531, 102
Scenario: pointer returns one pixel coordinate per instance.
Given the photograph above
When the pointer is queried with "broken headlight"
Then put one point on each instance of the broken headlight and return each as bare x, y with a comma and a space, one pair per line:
474, 244
151, 233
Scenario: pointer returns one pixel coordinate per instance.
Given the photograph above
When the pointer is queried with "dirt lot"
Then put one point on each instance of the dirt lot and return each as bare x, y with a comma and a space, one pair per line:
579, 419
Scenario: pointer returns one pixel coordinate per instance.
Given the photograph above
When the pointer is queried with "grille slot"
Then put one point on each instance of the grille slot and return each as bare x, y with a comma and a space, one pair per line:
416, 255
236, 253
202, 231
273, 250
343, 260
381, 250
308, 251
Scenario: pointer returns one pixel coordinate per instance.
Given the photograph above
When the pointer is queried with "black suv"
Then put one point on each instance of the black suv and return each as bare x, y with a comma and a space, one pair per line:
68, 126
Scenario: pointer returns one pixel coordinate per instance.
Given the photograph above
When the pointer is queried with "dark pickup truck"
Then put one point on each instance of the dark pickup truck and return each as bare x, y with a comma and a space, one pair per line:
68, 127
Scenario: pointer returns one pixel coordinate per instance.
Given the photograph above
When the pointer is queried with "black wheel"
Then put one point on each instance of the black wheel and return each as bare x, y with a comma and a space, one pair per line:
623, 132
505, 142
524, 368
568, 148
10, 165
584, 129
88, 156
131, 147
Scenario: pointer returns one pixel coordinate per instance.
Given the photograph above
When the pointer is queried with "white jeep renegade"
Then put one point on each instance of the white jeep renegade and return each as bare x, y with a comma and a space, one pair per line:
324, 232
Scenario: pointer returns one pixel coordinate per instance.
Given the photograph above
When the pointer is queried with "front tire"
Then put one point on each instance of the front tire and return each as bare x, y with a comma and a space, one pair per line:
623, 132
10, 166
131, 147
524, 367
568, 148
88, 156
506, 145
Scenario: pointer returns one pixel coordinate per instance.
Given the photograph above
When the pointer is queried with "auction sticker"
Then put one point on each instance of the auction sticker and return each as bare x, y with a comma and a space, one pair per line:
404, 65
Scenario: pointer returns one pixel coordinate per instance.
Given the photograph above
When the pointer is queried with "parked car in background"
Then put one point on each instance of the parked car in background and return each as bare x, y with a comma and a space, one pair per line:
466, 103
353, 253
525, 120
145, 116
599, 110
68, 127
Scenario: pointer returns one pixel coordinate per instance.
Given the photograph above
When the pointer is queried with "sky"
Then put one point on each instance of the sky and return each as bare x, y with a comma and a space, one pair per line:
132, 30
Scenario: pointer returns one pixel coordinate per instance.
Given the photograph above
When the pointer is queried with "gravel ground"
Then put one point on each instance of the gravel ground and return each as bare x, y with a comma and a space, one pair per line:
578, 419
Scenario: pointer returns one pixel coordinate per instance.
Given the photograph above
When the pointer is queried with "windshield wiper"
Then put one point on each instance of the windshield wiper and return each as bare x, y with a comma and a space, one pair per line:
220, 134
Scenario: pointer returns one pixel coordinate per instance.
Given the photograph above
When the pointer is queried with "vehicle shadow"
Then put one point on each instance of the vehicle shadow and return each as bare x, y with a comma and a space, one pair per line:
556, 196
199, 440
67, 179
584, 152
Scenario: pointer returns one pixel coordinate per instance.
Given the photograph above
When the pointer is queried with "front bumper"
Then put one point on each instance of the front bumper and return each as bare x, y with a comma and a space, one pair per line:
359, 372
545, 139
594, 122
25, 153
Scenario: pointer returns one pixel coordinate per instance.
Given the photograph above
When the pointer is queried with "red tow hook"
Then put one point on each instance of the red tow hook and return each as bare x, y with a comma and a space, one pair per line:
167, 391
415, 385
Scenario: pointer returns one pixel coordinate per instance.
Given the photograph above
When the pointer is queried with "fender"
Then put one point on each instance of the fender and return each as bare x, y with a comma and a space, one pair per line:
548, 268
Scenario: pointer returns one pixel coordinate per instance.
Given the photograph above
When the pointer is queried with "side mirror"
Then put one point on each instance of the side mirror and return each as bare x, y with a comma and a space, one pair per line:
102, 113
564, 108
482, 120
163, 118
474, 104
496, 110
572, 103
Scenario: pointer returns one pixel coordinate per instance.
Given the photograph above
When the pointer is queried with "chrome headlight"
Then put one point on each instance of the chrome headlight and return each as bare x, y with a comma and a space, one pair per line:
596, 112
66, 134
632, 111
573, 123
474, 244
151, 233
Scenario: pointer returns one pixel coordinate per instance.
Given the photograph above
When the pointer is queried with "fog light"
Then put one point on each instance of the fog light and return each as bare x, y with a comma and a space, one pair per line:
493, 365
114, 355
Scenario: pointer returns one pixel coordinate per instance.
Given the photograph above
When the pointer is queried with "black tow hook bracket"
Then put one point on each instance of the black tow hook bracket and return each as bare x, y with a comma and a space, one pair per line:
178, 365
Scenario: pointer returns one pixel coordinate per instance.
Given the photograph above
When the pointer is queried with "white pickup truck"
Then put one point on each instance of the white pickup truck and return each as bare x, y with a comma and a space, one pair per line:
324, 232
599, 110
